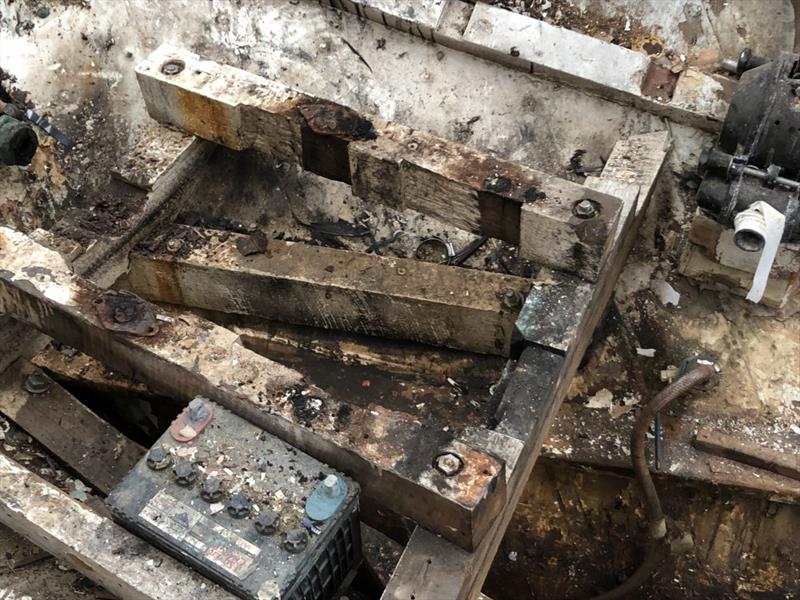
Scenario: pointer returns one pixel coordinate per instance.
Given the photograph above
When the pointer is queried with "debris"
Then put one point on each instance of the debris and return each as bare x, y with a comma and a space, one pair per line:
80, 491
602, 399
125, 312
666, 293
648, 352
512, 556
255, 243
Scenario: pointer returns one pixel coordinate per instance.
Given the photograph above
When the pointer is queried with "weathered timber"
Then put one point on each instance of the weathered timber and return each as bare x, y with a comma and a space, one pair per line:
382, 161
92, 544
104, 259
96, 450
334, 289
17, 551
631, 173
733, 448
520, 42
390, 453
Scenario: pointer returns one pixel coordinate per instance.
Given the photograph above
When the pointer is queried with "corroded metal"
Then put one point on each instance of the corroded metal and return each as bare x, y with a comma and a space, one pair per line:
125, 312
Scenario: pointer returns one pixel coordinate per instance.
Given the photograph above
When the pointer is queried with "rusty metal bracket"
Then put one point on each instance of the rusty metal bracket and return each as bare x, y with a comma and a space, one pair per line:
125, 312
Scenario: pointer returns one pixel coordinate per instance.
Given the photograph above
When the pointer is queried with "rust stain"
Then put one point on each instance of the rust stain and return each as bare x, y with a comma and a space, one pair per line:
328, 118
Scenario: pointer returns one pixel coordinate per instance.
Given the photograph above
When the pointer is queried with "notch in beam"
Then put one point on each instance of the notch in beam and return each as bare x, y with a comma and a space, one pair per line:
384, 162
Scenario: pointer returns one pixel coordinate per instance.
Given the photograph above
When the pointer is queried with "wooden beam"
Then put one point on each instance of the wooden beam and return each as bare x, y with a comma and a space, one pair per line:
333, 289
384, 162
729, 446
631, 172
68, 429
92, 544
533, 46
389, 453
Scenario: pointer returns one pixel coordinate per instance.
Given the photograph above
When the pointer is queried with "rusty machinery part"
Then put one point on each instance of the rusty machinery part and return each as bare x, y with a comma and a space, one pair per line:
757, 155
37, 382
435, 250
698, 373
18, 141
125, 312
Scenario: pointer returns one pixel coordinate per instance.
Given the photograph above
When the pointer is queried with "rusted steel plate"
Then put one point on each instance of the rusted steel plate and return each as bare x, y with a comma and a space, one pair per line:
390, 453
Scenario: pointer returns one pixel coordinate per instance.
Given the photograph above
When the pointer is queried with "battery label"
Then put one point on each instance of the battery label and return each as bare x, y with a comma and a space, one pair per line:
200, 535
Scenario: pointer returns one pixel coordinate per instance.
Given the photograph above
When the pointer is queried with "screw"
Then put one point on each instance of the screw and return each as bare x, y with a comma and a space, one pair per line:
185, 475
238, 505
295, 540
37, 382
512, 299
267, 522
172, 67
174, 245
198, 411
158, 458
585, 209
331, 486
448, 464
211, 490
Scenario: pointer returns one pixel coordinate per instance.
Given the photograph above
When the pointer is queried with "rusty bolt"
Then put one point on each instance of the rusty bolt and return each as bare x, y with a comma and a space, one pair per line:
37, 382
172, 67
158, 458
585, 209
174, 245
448, 464
239, 505
211, 490
198, 410
185, 474
401, 270
124, 312
512, 299
267, 522
295, 540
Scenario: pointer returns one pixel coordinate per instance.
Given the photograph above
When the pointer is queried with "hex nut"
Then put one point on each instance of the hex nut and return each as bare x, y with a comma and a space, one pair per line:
295, 540
448, 464
211, 490
585, 209
172, 67
267, 522
239, 505
159, 458
512, 299
185, 473
331, 485
37, 382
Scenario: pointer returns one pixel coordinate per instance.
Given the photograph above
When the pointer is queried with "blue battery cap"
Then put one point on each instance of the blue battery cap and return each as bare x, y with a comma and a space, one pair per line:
326, 498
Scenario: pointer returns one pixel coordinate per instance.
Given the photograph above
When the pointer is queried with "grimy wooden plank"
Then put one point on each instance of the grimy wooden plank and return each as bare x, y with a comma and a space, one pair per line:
362, 293
383, 162
391, 454
92, 544
430, 567
96, 450
733, 448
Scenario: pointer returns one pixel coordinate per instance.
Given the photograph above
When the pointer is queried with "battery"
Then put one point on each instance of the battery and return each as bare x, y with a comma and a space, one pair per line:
249, 511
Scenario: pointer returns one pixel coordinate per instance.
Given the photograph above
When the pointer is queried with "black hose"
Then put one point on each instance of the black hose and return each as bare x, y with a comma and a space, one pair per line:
655, 551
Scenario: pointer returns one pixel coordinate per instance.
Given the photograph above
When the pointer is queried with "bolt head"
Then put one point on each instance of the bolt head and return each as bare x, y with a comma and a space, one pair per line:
585, 209
512, 299
295, 540
174, 245
37, 382
172, 67
185, 474
211, 491
239, 505
267, 522
158, 458
448, 464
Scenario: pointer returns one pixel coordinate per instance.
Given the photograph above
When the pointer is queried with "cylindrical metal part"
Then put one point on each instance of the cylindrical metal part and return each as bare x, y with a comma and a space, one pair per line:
750, 229
18, 142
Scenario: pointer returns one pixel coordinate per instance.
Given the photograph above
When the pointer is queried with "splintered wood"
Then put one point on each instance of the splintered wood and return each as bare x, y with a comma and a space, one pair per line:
384, 162
189, 356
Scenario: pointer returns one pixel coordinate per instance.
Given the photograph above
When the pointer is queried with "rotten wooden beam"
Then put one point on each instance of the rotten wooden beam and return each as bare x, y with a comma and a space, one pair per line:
389, 453
384, 162
57, 420
94, 545
466, 309
736, 449
631, 171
